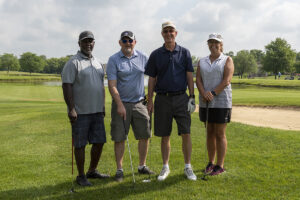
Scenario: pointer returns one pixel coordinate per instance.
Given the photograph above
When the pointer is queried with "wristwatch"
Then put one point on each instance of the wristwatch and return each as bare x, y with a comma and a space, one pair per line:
192, 96
213, 93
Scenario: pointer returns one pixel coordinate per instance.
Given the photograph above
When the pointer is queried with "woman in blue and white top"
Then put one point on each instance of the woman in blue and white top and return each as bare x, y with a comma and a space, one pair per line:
213, 79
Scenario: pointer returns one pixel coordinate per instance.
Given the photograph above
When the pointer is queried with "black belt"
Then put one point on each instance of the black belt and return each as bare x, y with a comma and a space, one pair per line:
171, 93
134, 102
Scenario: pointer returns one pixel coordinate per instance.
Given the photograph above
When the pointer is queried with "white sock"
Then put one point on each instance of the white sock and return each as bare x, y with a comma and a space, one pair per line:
120, 169
166, 166
188, 166
141, 166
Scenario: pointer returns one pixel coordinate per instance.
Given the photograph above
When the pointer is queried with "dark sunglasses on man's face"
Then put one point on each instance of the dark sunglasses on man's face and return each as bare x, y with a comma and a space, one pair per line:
125, 41
169, 30
87, 40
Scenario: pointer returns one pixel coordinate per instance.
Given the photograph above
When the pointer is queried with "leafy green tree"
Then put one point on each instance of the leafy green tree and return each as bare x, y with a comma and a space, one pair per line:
51, 66
297, 66
258, 55
244, 62
230, 53
9, 62
298, 56
30, 62
62, 61
195, 61
280, 57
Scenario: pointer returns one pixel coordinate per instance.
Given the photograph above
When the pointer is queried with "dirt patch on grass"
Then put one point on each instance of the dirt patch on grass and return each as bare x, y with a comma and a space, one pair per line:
279, 118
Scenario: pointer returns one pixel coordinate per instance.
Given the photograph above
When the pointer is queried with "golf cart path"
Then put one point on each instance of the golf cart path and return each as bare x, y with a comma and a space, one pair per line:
279, 118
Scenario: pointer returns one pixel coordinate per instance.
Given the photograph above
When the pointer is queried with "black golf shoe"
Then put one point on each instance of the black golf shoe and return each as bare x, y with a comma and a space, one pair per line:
119, 176
82, 181
145, 170
96, 174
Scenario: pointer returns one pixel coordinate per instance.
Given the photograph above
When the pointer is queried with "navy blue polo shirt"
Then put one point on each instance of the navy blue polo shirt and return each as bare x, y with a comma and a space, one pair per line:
170, 68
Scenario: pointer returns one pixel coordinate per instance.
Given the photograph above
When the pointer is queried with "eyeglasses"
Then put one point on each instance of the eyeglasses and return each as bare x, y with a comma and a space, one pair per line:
169, 30
125, 41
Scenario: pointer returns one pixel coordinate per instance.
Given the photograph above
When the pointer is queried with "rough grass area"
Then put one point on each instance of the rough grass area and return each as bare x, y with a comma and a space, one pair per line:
35, 157
14, 76
268, 82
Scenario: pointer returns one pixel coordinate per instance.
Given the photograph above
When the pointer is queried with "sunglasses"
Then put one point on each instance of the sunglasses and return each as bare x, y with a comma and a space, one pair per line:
88, 40
169, 30
125, 41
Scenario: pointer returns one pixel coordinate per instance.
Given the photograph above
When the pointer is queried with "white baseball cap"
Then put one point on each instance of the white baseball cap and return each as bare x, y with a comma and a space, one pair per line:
168, 24
215, 36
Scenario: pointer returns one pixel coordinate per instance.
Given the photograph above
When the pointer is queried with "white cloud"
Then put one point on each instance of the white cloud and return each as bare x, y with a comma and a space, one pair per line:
51, 27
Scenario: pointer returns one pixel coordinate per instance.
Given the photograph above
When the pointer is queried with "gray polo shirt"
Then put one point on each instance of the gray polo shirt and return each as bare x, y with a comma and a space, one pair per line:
212, 76
129, 74
87, 77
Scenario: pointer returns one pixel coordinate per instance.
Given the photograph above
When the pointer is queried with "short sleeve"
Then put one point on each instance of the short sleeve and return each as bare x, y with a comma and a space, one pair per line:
111, 69
150, 69
69, 71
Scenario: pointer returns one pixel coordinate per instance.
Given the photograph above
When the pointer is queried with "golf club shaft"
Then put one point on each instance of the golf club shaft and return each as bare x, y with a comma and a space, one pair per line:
72, 156
129, 152
206, 133
150, 141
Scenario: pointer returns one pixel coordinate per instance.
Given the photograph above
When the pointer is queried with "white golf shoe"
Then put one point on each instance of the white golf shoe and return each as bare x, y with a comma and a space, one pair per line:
190, 174
163, 174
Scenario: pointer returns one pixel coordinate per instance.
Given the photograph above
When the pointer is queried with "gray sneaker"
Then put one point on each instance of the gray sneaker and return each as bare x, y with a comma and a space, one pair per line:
82, 181
145, 170
119, 176
190, 174
163, 174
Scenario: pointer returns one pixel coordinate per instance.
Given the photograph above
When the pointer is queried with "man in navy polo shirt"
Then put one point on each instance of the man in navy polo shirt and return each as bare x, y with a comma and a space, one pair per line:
170, 71
125, 74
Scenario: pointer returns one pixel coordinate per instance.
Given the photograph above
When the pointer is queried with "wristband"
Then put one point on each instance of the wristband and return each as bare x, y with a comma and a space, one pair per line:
192, 96
213, 93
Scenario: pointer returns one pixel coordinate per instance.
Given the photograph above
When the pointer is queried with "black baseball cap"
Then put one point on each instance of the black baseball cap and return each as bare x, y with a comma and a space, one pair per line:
128, 34
86, 34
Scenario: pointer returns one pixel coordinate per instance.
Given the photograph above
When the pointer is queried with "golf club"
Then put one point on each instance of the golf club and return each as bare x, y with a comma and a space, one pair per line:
204, 177
129, 152
149, 179
72, 190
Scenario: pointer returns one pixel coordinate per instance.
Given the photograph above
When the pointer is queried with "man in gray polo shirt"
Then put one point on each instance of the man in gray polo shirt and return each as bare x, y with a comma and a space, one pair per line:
125, 74
84, 94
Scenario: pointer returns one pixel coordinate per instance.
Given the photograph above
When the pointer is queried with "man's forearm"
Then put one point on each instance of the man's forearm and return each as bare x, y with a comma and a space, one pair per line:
190, 81
151, 85
68, 95
112, 86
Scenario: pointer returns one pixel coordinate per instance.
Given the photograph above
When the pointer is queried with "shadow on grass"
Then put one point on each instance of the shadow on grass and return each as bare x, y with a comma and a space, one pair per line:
101, 189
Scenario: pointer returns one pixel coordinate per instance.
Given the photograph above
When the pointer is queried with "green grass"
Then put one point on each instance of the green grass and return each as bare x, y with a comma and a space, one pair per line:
268, 82
266, 96
14, 76
261, 163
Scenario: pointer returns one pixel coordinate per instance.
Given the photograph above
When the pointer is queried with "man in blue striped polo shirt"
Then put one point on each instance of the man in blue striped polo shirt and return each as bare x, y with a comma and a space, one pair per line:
125, 74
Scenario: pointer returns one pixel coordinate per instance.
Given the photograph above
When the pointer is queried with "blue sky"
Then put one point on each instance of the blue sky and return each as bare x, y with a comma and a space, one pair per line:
51, 27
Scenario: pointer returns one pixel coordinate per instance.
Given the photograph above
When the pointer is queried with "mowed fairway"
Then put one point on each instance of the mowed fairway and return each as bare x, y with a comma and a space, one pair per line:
35, 155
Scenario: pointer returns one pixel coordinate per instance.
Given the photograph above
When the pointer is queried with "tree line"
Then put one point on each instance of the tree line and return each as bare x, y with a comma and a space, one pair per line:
277, 57
30, 62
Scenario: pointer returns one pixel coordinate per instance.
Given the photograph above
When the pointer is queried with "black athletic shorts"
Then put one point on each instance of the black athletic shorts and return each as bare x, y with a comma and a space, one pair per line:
215, 115
168, 107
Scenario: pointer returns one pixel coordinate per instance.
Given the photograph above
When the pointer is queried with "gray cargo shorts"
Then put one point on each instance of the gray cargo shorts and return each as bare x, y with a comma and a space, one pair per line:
136, 116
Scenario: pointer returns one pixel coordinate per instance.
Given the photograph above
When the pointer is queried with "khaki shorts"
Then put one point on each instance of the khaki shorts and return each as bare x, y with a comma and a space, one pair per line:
136, 116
